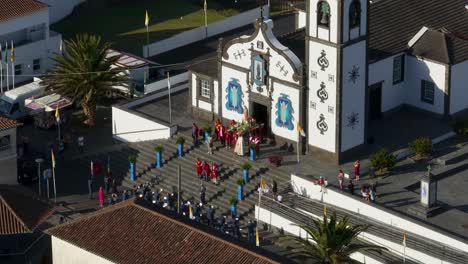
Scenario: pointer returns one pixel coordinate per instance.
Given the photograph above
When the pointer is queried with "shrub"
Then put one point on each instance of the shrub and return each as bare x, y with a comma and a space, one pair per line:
132, 158
246, 166
240, 181
158, 148
421, 146
180, 139
382, 159
233, 201
460, 125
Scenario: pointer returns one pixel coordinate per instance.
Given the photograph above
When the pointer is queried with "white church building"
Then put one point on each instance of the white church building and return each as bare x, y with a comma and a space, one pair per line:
352, 61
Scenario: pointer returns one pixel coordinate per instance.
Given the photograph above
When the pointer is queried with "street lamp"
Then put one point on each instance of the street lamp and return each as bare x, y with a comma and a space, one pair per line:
39, 161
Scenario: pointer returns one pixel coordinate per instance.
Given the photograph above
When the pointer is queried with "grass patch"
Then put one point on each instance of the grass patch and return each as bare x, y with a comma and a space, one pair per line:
122, 21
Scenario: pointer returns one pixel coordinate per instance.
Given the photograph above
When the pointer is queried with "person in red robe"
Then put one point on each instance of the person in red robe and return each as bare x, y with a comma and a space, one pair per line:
206, 170
222, 134
228, 139
214, 173
199, 167
357, 168
232, 124
217, 126
261, 132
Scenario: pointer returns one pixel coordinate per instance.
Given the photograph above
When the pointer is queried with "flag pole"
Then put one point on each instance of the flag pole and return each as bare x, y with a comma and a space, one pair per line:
6, 65
147, 32
169, 93
1, 69
206, 19
257, 238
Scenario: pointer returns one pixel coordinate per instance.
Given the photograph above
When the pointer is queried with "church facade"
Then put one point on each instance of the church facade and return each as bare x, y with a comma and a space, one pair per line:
346, 66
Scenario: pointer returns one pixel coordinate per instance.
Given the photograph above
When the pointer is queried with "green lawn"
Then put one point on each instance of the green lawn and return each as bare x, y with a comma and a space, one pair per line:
122, 21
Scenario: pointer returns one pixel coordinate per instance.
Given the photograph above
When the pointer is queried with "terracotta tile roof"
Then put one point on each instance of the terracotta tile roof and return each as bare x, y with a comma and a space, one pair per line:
133, 232
6, 123
20, 210
15, 8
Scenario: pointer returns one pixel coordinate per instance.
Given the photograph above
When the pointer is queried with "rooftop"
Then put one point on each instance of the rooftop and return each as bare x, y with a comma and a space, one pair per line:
142, 234
6, 123
17, 8
20, 210
126, 60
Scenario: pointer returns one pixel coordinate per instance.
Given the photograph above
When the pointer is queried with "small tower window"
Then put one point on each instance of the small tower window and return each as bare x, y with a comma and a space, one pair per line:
323, 14
355, 14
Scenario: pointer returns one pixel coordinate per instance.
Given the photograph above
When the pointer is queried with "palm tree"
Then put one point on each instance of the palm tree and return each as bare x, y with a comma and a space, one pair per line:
84, 74
332, 242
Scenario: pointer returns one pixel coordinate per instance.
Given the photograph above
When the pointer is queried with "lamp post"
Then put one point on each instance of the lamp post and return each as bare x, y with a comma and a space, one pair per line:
39, 161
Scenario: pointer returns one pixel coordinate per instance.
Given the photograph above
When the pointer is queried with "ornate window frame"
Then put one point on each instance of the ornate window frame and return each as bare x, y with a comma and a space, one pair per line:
210, 81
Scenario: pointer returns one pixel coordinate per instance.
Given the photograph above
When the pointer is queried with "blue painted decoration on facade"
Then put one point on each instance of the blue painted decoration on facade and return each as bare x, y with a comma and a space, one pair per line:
234, 96
284, 112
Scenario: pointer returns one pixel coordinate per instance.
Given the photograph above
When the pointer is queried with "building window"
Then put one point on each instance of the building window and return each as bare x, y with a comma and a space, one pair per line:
355, 14
5, 143
398, 69
18, 69
427, 92
205, 89
323, 14
36, 64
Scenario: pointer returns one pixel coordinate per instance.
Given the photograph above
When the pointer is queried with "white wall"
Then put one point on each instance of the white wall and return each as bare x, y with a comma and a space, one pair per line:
353, 95
215, 94
420, 69
309, 189
293, 95
66, 253
301, 19
61, 8
199, 33
162, 84
8, 159
326, 140
459, 87
129, 127
288, 226
392, 94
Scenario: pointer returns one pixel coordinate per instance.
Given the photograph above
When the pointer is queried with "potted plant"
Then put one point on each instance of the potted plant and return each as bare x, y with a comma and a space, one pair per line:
132, 160
422, 147
245, 169
240, 189
233, 203
207, 132
382, 161
180, 140
252, 148
158, 149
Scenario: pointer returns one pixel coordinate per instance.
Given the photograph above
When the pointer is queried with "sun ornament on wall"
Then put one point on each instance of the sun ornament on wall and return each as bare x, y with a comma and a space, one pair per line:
353, 120
354, 74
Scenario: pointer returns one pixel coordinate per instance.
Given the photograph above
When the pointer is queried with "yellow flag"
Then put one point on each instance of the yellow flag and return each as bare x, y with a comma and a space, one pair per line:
300, 130
190, 211
325, 210
146, 19
263, 184
257, 239
12, 53
53, 158
57, 115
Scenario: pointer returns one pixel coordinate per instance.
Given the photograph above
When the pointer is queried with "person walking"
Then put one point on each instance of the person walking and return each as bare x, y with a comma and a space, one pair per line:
199, 168
81, 144
340, 179
203, 194
209, 144
322, 184
222, 134
214, 173
274, 189
101, 197
90, 186
206, 171
195, 131
357, 168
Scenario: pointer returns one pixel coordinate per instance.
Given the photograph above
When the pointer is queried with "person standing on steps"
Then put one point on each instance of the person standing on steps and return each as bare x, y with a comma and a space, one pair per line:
209, 143
206, 171
214, 173
222, 134
228, 139
199, 168
101, 197
351, 187
340, 179
357, 168
203, 194
90, 186
195, 131
250, 231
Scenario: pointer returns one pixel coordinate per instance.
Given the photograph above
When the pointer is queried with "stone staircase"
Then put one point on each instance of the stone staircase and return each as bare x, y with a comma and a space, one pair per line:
392, 234
217, 195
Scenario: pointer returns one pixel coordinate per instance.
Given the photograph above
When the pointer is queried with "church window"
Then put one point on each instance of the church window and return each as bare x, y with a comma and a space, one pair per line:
427, 92
355, 14
398, 69
205, 89
323, 14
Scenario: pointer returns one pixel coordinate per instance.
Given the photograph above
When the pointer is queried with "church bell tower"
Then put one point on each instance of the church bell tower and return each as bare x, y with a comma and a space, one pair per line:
336, 48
